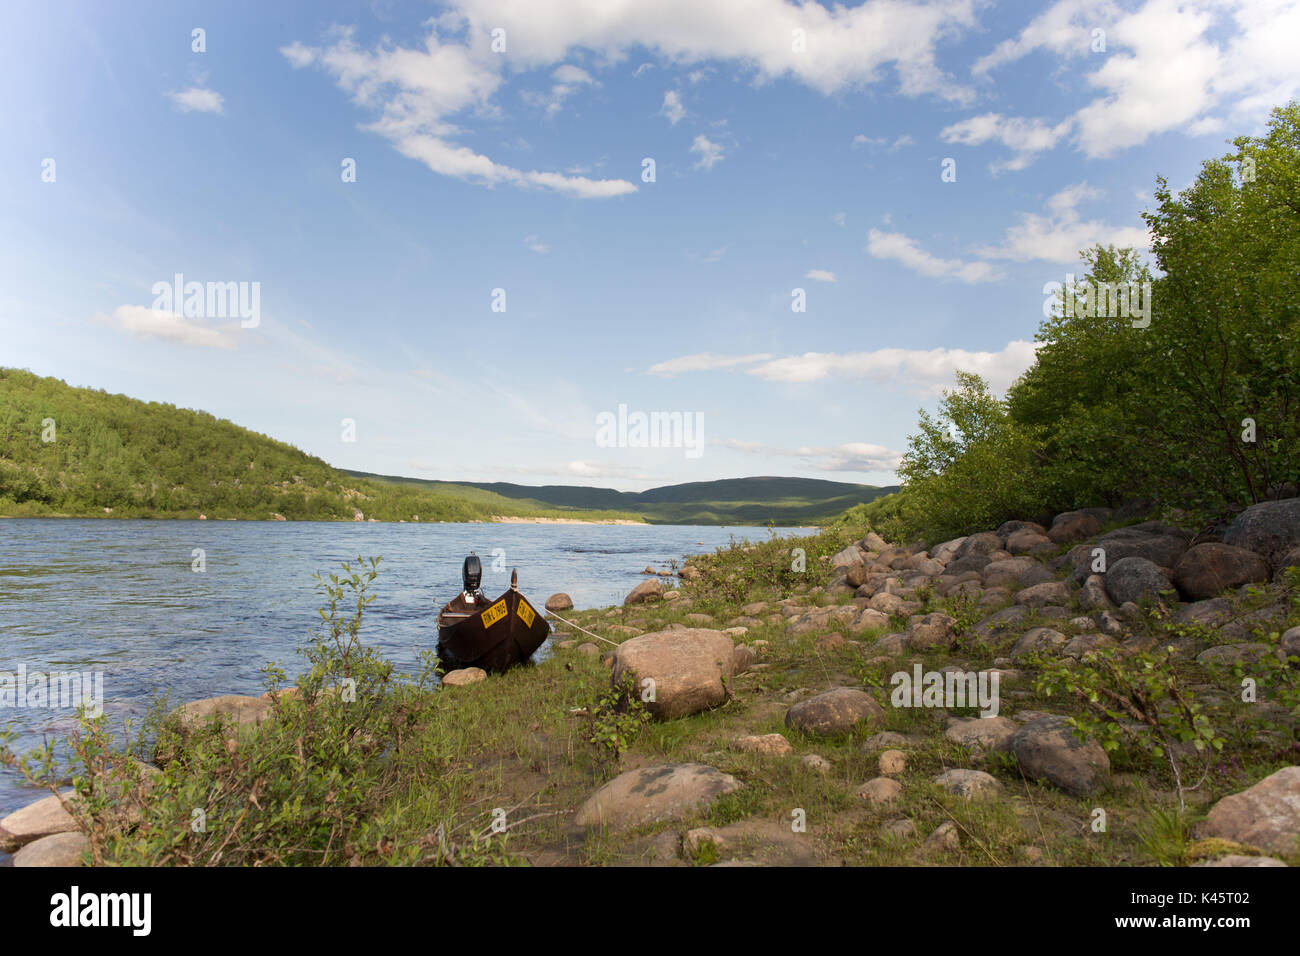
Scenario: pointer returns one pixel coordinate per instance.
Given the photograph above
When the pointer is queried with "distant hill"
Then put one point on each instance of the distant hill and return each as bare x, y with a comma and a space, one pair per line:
785, 501
84, 452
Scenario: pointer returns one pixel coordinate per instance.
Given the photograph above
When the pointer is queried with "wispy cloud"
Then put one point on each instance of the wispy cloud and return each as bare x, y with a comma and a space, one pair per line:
673, 108
850, 456
196, 99
710, 153
820, 275
902, 249
146, 323
703, 362
1060, 233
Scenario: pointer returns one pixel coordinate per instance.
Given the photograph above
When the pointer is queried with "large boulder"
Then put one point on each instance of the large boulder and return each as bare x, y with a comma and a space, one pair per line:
1053, 593
1265, 816
58, 850
1270, 529
1136, 580
931, 631
651, 794
1073, 526
645, 592
849, 557
1015, 573
1162, 549
689, 668
1028, 542
984, 543
1047, 749
234, 710
835, 712
1209, 569
1039, 640
559, 602
36, 820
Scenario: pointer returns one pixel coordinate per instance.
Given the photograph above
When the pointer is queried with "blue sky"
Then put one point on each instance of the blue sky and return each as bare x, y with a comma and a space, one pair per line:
782, 161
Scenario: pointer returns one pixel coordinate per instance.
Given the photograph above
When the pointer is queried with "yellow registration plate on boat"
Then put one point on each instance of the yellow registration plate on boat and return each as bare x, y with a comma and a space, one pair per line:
526, 614
495, 613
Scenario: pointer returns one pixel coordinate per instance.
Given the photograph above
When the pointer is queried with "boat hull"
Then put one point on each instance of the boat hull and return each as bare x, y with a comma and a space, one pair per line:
502, 635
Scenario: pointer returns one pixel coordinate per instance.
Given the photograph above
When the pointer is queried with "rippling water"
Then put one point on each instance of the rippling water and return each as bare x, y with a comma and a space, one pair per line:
121, 596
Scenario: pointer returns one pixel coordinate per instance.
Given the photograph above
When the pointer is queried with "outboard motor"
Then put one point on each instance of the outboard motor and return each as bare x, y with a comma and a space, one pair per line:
471, 573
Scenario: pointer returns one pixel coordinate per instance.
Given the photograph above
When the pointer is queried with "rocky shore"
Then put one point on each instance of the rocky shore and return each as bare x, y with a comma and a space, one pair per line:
783, 738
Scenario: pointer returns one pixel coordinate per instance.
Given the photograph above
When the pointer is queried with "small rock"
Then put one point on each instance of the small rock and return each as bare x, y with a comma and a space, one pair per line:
898, 830
942, 839
970, 784
645, 591
892, 763
815, 763
772, 745
472, 675
880, 792
837, 711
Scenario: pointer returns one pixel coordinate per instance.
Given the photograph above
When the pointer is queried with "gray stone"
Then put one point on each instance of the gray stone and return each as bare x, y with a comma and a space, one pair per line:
60, 849
653, 794
1136, 580
970, 784
1209, 569
1265, 816
1039, 640
1270, 529
837, 711
1047, 749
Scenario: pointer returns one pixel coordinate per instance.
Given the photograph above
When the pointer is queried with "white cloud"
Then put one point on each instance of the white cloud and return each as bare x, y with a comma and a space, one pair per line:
673, 108
703, 362
901, 248
197, 100
535, 244
926, 370
882, 142
1060, 233
846, 46
820, 275
143, 322
838, 219
568, 79
715, 255
1065, 29
1025, 137
851, 456
710, 153
1168, 65
416, 92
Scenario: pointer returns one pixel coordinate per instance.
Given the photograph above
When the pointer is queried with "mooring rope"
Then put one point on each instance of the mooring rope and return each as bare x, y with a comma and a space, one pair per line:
584, 630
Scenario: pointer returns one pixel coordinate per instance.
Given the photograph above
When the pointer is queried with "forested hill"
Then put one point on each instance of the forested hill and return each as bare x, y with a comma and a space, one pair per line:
785, 501
81, 451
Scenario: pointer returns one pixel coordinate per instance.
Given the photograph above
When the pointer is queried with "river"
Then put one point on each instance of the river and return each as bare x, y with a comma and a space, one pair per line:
123, 598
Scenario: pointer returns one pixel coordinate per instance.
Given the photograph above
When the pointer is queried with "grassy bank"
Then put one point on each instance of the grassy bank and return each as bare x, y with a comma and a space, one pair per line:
417, 776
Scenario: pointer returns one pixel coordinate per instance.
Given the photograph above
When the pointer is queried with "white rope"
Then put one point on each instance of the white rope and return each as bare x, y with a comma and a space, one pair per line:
584, 630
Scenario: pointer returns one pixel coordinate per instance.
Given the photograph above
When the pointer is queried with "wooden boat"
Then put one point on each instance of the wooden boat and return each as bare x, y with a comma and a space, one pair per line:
494, 635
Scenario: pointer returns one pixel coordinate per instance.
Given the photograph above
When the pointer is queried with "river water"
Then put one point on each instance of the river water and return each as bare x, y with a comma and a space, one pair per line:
123, 598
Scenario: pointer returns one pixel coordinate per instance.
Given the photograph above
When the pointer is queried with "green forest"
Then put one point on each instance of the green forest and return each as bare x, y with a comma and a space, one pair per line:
1195, 413
83, 452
